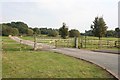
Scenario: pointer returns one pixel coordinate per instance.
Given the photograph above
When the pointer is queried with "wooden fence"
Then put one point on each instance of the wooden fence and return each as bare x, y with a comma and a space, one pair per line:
82, 43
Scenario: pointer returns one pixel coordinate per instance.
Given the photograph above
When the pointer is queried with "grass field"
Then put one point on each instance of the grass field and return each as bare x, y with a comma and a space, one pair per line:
26, 63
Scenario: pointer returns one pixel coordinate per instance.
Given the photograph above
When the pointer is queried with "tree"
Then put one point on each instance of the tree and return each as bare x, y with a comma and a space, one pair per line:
117, 31
15, 32
110, 33
21, 26
88, 33
44, 31
6, 30
99, 27
53, 33
74, 33
30, 32
64, 31
36, 30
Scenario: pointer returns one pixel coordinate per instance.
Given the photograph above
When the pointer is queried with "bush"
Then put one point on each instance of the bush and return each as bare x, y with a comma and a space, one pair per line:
30, 32
53, 33
74, 33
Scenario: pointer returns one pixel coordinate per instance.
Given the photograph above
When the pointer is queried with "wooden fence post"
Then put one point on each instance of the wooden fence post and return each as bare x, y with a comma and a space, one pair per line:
55, 43
76, 42
2, 46
85, 41
20, 45
107, 43
35, 42
81, 42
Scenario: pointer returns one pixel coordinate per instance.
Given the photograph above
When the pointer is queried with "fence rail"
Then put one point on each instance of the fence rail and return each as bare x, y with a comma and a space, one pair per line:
82, 43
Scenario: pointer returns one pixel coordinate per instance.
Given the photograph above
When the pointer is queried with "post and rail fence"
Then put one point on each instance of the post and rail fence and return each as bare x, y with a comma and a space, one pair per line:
80, 42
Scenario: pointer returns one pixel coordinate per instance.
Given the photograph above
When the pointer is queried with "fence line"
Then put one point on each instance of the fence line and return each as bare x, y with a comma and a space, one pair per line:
82, 43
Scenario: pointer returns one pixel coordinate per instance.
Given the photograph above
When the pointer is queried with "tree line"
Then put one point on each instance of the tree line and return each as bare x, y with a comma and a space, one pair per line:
21, 28
98, 29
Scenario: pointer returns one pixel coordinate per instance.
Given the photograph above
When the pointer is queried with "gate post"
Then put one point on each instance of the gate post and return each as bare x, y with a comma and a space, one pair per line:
76, 42
35, 43
20, 45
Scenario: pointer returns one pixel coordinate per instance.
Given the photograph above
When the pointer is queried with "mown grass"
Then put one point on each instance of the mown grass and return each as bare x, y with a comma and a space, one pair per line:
44, 64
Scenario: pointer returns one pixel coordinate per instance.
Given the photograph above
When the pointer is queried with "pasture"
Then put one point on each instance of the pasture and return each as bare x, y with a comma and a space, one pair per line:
19, 61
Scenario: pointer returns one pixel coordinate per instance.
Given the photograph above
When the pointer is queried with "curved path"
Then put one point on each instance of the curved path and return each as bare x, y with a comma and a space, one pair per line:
107, 61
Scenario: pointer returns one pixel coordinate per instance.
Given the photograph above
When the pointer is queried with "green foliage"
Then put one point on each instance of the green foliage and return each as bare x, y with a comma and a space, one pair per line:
14, 28
21, 26
36, 30
64, 31
88, 33
8, 30
99, 27
74, 33
30, 32
110, 33
15, 31
117, 31
53, 33
44, 31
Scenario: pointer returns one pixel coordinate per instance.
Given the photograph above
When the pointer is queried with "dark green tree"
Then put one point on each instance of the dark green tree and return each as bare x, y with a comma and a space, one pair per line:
15, 32
110, 33
74, 33
8, 30
63, 31
99, 27
21, 26
53, 33
117, 31
44, 31
88, 33
36, 30
30, 32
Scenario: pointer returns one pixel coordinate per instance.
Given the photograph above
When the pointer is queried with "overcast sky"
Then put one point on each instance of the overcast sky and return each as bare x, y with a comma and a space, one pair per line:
77, 14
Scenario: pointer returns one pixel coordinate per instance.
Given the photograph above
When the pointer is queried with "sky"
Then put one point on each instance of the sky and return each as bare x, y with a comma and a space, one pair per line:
77, 14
